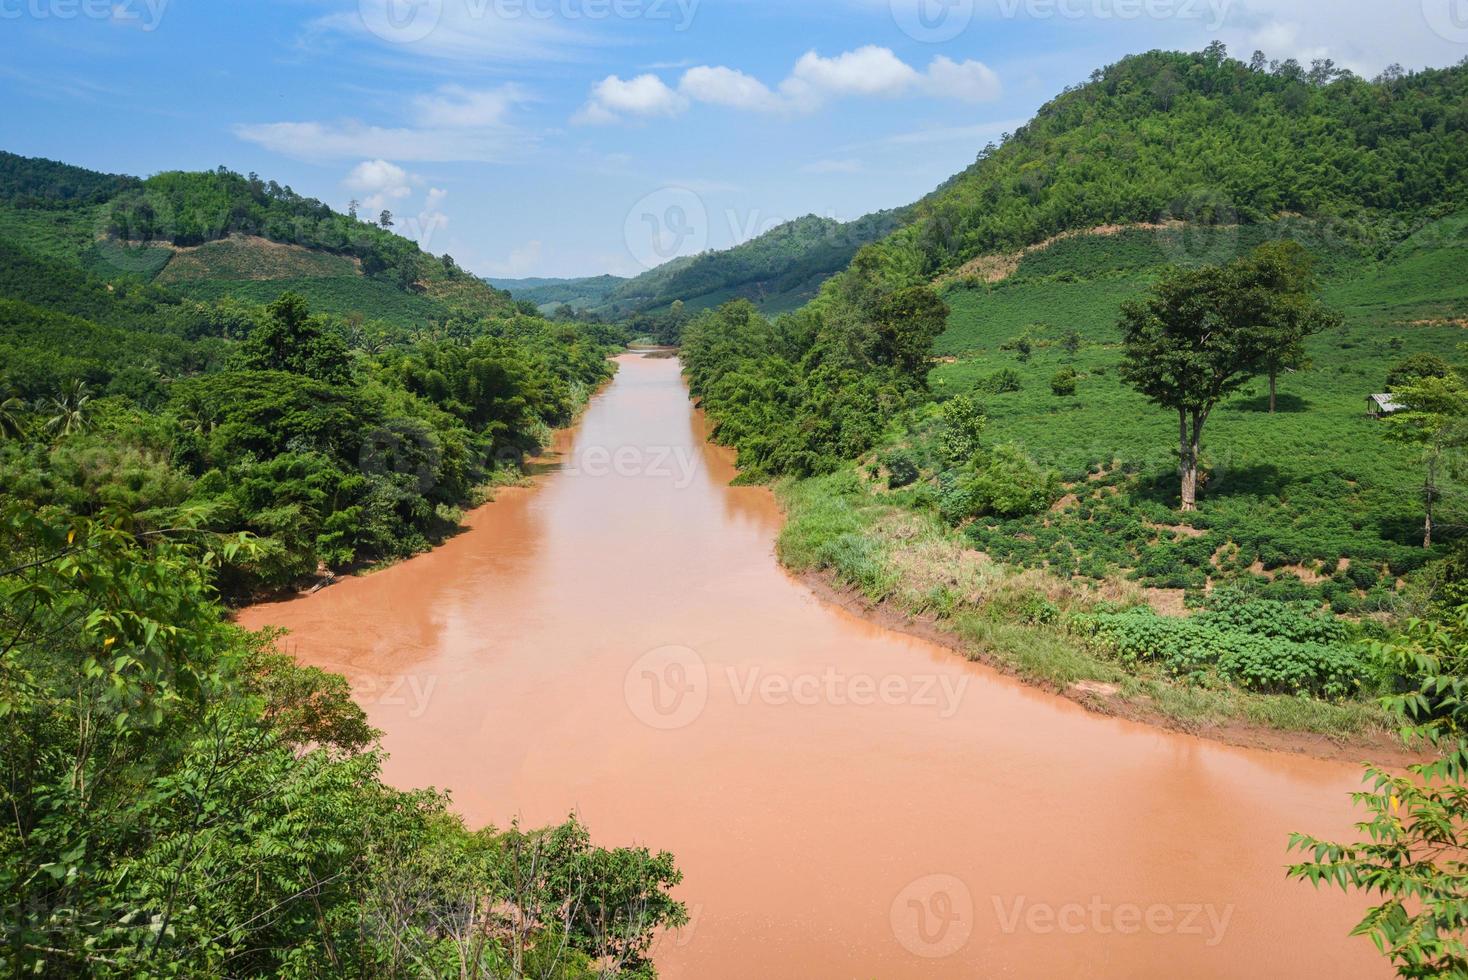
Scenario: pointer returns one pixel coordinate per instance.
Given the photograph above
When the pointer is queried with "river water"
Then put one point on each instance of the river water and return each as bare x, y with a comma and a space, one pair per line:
845, 801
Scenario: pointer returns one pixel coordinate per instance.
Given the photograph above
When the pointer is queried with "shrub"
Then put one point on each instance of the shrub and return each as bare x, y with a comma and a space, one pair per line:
1013, 485
902, 469
1415, 368
1004, 380
1064, 382
963, 424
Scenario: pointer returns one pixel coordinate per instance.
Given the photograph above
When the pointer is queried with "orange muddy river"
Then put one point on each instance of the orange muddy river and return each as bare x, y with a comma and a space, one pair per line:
845, 801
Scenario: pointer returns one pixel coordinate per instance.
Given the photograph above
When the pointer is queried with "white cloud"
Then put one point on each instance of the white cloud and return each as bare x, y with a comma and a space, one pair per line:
380, 182
727, 87
446, 30
868, 72
456, 107
452, 123
971, 81
645, 95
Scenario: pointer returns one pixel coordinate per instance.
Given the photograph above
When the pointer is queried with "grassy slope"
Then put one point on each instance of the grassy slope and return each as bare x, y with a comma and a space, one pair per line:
246, 268
892, 554
1318, 475
1317, 478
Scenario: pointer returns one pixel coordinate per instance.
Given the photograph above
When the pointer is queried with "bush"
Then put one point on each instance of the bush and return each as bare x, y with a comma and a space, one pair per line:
1415, 368
1002, 381
963, 424
1064, 382
902, 469
1013, 485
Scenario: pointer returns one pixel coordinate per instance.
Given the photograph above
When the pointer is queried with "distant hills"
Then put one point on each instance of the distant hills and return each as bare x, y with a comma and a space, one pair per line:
777, 271
204, 236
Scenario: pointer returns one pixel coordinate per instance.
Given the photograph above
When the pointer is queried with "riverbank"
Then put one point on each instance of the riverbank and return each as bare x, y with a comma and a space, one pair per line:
909, 572
618, 642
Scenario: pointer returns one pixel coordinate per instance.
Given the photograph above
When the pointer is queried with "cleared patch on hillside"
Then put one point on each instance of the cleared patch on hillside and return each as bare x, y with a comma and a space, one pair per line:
999, 267
247, 257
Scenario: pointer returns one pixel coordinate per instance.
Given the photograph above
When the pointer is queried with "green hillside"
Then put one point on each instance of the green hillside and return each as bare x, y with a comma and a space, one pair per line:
1019, 444
548, 294
216, 352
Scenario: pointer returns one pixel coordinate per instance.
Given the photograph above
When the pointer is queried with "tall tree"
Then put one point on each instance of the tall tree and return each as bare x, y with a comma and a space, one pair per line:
1185, 350
293, 340
1435, 420
907, 323
1277, 289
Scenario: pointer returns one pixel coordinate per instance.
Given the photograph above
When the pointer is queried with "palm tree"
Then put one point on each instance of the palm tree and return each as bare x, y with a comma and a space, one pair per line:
13, 413
71, 410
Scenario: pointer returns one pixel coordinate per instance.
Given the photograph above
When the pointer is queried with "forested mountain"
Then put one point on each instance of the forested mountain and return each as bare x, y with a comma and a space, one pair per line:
776, 271
1205, 139
548, 294
216, 350
1199, 139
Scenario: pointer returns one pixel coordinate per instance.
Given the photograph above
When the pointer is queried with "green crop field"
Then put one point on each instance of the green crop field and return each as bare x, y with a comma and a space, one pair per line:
1310, 485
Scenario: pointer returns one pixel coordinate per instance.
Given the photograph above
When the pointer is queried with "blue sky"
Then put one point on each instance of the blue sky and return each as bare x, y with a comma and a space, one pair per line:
575, 137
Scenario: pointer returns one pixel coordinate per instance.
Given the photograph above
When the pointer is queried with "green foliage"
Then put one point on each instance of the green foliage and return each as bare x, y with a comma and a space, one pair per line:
1411, 858
1001, 382
34, 183
801, 395
963, 425
1416, 368
182, 802
1063, 382
902, 469
1259, 644
1008, 483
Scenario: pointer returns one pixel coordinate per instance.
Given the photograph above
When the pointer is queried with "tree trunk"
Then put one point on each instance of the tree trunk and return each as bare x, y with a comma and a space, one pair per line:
1272, 377
1187, 466
1430, 492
